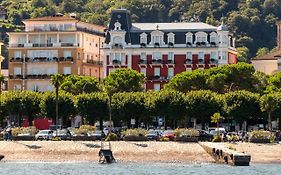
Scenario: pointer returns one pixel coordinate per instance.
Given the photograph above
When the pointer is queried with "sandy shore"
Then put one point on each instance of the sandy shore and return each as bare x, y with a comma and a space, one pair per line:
129, 151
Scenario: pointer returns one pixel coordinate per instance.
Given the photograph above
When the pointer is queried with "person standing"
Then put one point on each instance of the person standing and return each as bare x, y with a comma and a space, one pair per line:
277, 134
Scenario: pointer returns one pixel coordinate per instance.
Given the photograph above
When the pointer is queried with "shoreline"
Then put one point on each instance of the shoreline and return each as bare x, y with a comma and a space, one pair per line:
129, 152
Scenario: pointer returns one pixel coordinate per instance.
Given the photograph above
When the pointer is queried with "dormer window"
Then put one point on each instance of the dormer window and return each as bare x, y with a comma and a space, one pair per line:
117, 26
157, 38
201, 38
189, 39
143, 39
213, 38
171, 39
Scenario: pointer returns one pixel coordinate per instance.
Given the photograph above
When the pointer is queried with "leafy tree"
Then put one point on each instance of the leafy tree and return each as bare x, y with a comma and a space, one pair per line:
202, 104
216, 119
243, 54
124, 80
241, 105
93, 106
65, 102
262, 51
169, 104
269, 103
75, 84
187, 81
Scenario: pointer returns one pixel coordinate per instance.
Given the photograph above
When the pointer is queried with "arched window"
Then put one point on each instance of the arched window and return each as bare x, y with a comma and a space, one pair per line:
117, 40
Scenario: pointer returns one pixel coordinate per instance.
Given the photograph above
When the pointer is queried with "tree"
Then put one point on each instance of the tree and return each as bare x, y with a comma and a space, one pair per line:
93, 106
57, 80
2, 80
129, 105
125, 80
269, 103
241, 105
169, 104
215, 118
262, 51
201, 105
243, 54
187, 81
66, 105
75, 84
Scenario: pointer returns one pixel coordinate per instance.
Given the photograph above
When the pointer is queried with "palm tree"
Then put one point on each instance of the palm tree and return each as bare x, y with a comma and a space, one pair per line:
2, 79
57, 80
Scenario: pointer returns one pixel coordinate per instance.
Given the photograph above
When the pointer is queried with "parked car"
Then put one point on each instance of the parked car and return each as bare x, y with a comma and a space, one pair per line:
204, 135
44, 135
98, 134
218, 131
169, 134
152, 135
64, 134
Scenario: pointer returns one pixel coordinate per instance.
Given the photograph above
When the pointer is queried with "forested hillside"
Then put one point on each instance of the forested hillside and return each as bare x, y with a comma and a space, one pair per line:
251, 21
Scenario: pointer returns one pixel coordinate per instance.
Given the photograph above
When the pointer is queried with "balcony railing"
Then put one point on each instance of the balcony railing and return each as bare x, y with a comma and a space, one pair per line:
116, 62
15, 76
213, 61
41, 59
157, 78
95, 62
45, 45
156, 61
38, 76
16, 59
142, 61
61, 59
170, 61
67, 44
16, 45
188, 61
201, 61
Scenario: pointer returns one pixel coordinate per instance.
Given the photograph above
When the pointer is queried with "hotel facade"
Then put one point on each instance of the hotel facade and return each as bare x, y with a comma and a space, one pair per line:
51, 45
162, 50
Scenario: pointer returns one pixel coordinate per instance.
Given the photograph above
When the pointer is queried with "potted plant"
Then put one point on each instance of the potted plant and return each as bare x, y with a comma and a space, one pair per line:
137, 134
186, 135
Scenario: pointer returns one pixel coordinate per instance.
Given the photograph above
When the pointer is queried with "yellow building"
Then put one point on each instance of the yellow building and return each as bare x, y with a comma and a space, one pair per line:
51, 45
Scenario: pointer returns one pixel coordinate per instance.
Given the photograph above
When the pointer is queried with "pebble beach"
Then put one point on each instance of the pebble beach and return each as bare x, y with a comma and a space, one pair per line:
174, 152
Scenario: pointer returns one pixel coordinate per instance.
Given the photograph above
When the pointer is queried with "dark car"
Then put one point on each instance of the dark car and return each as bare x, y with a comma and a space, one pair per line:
205, 136
64, 134
152, 135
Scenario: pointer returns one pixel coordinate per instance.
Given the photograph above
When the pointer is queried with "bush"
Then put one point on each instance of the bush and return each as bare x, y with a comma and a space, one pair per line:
186, 132
261, 136
30, 131
217, 139
111, 137
84, 130
135, 132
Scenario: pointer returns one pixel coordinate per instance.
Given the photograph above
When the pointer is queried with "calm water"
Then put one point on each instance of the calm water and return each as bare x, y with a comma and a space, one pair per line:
24, 168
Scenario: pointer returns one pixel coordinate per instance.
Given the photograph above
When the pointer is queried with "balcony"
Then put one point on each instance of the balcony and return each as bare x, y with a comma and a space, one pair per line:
142, 61
65, 59
170, 61
157, 78
201, 61
116, 62
188, 61
16, 45
117, 46
16, 59
38, 76
213, 61
41, 59
95, 62
156, 61
15, 76
142, 45
67, 44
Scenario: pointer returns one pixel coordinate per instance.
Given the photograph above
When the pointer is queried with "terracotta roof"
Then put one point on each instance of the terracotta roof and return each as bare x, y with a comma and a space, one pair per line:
269, 56
52, 18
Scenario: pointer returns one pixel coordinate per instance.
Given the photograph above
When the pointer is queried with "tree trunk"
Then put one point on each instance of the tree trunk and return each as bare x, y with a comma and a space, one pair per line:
101, 123
57, 109
269, 121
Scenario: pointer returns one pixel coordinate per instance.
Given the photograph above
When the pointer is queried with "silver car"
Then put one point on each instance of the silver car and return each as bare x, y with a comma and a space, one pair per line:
44, 135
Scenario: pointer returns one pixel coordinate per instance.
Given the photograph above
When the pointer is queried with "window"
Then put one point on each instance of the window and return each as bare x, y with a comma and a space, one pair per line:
17, 54
224, 40
117, 40
143, 70
214, 55
143, 56
157, 39
17, 71
156, 87
17, 87
156, 55
201, 55
189, 38
67, 70
171, 56
35, 88
143, 38
201, 37
170, 72
157, 71
189, 55
224, 55
35, 71
171, 38
213, 39
51, 71
67, 53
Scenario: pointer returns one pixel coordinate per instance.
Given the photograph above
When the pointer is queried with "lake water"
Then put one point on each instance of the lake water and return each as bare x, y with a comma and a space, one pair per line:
86, 168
